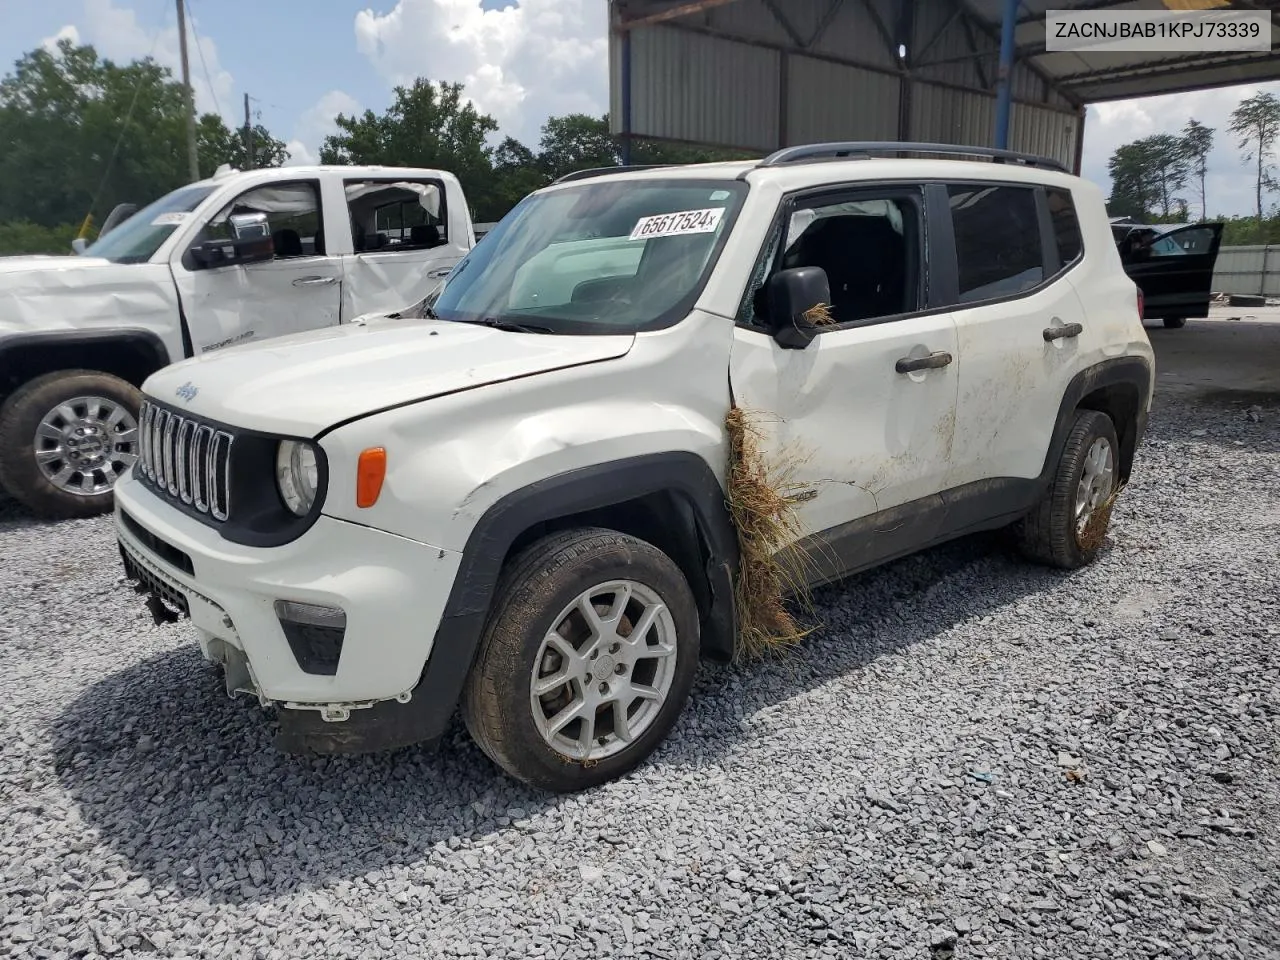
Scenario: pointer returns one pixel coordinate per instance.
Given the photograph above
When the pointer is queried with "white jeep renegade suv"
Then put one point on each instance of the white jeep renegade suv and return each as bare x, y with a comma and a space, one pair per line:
511, 496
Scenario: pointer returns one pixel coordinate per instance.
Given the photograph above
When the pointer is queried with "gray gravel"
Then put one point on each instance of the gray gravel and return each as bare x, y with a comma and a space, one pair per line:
975, 758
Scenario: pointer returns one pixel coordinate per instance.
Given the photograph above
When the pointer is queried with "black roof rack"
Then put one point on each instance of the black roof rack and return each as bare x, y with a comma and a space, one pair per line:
603, 171
862, 149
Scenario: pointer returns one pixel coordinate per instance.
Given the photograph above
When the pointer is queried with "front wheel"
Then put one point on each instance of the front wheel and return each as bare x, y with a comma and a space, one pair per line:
586, 661
1174, 323
65, 437
1068, 526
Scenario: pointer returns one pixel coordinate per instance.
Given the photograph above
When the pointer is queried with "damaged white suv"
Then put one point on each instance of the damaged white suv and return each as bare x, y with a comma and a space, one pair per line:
512, 497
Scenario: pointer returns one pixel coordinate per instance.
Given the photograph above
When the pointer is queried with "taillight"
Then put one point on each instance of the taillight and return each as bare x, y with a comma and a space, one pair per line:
1142, 305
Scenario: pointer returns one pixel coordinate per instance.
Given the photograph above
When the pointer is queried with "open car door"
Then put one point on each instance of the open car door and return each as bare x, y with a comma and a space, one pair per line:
1174, 269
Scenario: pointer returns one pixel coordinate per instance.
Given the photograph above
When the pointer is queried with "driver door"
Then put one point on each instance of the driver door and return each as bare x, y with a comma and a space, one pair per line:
867, 442
299, 289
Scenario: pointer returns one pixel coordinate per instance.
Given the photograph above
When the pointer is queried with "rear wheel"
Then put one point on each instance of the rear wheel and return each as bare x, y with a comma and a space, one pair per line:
1173, 323
1068, 526
65, 438
586, 661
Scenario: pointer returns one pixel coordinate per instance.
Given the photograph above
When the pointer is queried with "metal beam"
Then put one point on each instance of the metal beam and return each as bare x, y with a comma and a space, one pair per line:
1196, 62
933, 41
977, 55
1076, 7
772, 7
885, 35
861, 65
671, 13
825, 23
1052, 82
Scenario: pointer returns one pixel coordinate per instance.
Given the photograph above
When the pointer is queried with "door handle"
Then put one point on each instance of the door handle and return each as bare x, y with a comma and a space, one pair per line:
314, 281
1062, 332
932, 362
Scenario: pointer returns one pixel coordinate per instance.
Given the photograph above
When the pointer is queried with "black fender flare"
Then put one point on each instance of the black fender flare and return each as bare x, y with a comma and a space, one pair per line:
682, 475
1132, 374
150, 343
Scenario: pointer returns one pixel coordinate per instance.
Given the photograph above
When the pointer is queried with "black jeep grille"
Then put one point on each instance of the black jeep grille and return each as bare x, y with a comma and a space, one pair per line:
186, 459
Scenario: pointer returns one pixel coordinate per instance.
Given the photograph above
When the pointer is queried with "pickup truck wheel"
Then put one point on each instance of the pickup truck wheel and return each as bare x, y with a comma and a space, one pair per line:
586, 661
64, 439
1054, 532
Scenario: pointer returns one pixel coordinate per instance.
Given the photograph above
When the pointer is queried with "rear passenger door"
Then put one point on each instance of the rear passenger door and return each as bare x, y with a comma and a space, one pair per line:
403, 246
1018, 323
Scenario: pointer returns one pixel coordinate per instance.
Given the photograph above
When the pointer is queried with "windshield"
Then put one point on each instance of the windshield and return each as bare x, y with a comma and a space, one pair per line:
138, 238
595, 258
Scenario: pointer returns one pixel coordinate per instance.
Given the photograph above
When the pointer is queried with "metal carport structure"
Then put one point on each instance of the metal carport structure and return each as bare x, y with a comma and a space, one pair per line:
762, 74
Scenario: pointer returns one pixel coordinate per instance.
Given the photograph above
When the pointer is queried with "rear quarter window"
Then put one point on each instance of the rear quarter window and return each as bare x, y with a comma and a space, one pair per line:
1066, 226
998, 248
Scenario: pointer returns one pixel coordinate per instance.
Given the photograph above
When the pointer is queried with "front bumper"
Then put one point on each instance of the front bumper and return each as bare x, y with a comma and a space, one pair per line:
393, 591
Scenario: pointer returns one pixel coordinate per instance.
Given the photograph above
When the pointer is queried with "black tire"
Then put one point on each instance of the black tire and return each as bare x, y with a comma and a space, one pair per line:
1048, 534
1174, 323
535, 587
19, 418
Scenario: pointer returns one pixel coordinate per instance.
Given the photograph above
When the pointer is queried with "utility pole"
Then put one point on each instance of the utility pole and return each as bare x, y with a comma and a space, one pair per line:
248, 136
192, 159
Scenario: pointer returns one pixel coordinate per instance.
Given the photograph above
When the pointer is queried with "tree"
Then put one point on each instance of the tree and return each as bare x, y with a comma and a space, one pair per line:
1145, 174
1132, 193
1257, 123
82, 134
517, 172
427, 125
1168, 168
1197, 141
577, 142
221, 145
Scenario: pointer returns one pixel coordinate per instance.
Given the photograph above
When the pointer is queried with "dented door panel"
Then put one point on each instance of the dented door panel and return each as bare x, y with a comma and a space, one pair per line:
856, 436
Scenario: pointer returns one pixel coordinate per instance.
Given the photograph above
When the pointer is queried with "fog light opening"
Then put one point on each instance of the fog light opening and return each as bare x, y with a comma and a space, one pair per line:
315, 634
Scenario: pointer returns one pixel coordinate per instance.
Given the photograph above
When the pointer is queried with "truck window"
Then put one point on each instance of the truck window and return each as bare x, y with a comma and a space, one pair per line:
389, 216
293, 216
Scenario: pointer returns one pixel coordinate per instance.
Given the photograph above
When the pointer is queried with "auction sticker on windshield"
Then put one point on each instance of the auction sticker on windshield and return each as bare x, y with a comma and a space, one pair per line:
678, 224
170, 219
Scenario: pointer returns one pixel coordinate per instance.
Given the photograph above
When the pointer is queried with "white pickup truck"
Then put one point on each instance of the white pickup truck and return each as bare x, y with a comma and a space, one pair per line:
240, 257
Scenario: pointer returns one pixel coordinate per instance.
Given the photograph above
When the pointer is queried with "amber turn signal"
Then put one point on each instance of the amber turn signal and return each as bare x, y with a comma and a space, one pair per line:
370, 472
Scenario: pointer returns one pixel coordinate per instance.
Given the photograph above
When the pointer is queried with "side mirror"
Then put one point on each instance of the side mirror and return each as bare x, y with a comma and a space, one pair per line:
225, 253
79, 245
798, 299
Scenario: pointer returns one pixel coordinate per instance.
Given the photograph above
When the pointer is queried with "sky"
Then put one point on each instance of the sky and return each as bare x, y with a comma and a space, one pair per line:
303, 61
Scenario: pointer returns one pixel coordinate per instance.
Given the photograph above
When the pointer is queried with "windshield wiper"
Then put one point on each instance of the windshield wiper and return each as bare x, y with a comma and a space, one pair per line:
509, 325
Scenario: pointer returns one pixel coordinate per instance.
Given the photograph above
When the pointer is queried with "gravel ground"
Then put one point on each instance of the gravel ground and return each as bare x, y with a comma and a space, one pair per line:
975, 758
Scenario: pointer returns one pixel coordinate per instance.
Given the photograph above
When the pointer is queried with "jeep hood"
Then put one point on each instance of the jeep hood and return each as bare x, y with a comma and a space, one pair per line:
303, 384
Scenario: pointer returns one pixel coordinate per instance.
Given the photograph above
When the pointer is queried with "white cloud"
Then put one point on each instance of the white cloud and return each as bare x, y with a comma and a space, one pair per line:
1229, 184
316, 123
523, 63
117, 35
69, 32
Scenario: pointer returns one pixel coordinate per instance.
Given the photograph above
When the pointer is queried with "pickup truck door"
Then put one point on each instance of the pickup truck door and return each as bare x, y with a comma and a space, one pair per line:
300, 289
406, 237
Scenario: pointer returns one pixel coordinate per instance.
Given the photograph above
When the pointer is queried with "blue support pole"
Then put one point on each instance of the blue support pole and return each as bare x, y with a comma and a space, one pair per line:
1004, 90
626, 97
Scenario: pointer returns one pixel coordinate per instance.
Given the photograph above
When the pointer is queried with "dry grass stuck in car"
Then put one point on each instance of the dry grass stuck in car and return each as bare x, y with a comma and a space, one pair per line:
762, 502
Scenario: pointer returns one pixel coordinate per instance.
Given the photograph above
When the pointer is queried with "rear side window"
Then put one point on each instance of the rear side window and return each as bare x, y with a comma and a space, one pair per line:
1066, 228
998, 248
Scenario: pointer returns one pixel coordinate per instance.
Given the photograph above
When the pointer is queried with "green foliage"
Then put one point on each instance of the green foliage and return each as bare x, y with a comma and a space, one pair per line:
23, 236
82, 134
1257, 123
1197, 141
1145, 174
1248, 231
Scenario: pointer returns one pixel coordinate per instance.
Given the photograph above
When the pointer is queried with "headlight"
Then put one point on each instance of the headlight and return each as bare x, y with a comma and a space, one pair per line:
297, 475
